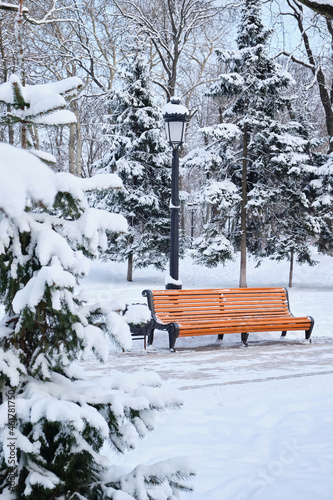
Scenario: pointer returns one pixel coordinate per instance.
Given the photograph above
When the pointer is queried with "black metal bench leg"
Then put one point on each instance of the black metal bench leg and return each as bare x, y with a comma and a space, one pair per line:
173, 335
283, 334
150, 332
308, 332
220, 336
245, 336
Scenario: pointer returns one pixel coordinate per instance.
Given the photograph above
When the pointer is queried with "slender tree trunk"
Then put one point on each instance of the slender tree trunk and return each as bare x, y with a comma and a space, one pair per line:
78, 140
33, 132
23, 136
130, 267
78, 148
10, 134
71, 148
19, 21
291, 269
130, 255
242, 276
182, 210
207, 214
10, 129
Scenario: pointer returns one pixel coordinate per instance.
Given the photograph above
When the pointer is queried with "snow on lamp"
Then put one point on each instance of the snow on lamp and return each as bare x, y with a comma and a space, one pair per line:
175, 117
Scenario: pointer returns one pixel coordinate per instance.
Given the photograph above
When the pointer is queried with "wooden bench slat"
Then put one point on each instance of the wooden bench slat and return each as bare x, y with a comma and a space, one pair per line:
224, 314
217, 303
242, 310
220, 305
220, 297
230, 319
236, 329
243, 323
214, 291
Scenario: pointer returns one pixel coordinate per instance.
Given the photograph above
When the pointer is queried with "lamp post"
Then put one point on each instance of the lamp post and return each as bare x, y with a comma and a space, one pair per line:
175, 116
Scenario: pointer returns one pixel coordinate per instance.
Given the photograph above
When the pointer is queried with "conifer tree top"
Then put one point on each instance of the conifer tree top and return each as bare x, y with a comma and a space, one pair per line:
251, 31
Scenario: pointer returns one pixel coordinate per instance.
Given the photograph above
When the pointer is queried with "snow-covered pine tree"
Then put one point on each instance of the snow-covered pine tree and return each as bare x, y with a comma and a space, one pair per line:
54, 423
219, 193
37, 105
267, 156
288, 221
322, 202
141, 157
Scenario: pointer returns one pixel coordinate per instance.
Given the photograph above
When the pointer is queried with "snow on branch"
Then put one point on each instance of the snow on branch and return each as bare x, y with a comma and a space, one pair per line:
23, 177
12, 7
42, 104
323, 7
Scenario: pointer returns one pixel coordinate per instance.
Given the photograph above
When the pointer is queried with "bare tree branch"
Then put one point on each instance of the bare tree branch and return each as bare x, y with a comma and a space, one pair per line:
325, 9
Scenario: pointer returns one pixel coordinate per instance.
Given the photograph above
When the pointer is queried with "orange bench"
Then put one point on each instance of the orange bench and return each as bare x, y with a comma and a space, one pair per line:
186, 313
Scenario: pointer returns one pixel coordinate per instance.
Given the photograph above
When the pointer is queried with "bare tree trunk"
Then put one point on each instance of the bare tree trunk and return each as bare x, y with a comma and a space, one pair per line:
130, 267
23, 136
71, 148
10, 130
19, 21
182, 210
242, 276
10, 134
78, 140
33, 131
291, 269
207, 215
78, 147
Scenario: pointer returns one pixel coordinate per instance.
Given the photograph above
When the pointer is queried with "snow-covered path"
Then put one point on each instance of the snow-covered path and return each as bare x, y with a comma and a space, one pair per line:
256, 422
217, 365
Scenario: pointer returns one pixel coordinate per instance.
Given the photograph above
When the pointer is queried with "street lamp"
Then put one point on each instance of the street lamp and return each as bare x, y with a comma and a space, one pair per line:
175, 116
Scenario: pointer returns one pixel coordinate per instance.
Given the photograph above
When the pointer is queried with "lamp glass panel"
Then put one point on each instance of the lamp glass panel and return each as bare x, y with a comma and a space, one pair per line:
167, 130
176, 132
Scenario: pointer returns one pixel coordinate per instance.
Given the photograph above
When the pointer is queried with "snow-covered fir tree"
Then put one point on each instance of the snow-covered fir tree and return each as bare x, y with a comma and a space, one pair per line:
141, 157
218, 192
266, 164
322, 202
288, 221
55, 425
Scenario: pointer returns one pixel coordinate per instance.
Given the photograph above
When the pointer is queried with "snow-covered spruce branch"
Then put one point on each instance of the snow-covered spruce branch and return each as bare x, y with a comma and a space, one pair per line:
168, 475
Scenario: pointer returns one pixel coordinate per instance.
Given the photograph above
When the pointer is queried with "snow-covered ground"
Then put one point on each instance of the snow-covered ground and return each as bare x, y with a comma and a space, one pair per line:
257, 422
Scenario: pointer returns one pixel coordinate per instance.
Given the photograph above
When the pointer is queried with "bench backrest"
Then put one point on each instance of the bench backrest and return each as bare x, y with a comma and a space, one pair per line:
170, 305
